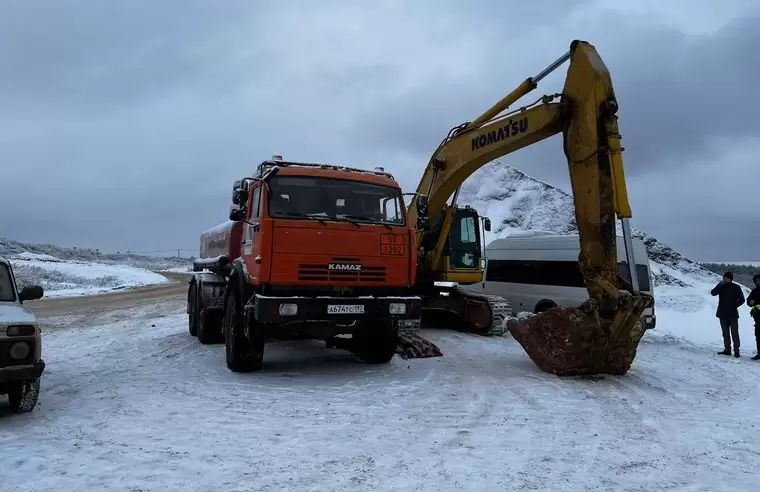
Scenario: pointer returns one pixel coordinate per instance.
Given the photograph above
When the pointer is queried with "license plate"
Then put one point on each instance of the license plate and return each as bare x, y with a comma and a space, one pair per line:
345, 308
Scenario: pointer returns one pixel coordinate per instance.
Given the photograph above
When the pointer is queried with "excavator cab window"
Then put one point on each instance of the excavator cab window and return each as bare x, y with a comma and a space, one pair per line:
463, 248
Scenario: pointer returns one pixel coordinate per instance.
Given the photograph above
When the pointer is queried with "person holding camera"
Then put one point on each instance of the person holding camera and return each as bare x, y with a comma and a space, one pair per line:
730, 297
753, 301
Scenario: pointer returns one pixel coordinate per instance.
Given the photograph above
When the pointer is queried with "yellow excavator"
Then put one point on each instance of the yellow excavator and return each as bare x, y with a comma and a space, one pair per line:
600, 336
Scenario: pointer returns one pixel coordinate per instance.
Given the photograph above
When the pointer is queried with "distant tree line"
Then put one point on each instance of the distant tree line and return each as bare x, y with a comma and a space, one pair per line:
721, 268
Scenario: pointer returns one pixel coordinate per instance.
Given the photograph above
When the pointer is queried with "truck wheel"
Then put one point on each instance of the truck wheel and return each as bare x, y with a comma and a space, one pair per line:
192, 309
243, 354
23, 395
376, 341
210, 327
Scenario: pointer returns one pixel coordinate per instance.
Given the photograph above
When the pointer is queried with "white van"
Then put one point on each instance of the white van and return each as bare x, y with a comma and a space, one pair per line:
535, 271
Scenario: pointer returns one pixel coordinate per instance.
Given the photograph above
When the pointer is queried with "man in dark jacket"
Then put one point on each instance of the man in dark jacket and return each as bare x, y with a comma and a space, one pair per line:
730, 297
753, 301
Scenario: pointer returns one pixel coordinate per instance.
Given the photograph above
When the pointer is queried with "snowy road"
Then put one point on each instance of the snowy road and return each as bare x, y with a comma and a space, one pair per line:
137, 404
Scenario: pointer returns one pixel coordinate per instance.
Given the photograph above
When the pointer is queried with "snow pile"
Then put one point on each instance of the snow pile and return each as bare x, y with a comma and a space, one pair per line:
516, 202
64, 278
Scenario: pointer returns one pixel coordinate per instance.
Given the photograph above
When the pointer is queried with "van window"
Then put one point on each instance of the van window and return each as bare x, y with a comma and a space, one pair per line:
642, 272
561, 273
557, 273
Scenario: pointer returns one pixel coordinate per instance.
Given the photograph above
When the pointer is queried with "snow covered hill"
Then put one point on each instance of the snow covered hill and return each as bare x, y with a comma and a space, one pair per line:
65, 278
67, 272
517, 202
9, 247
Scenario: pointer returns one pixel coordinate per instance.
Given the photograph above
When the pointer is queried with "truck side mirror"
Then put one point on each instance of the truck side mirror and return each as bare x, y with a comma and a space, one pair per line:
237, 214
30, 293
239, 196
486, 224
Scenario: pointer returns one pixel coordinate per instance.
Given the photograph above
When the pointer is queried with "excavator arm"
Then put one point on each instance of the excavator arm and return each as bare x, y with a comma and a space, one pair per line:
602, 334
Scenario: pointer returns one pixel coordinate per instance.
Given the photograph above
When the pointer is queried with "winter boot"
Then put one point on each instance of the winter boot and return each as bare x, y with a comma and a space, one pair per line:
756, 357
725, 352
736, 353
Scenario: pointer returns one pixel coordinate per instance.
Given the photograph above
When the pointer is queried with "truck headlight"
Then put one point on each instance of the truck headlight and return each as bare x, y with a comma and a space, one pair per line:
397, 308
288, 309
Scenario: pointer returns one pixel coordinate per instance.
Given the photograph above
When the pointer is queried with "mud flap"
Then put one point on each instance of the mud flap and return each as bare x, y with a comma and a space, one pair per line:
416, 347
572, 342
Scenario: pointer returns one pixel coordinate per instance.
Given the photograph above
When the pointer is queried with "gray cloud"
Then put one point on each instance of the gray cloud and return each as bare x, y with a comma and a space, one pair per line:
123, 125
676, 93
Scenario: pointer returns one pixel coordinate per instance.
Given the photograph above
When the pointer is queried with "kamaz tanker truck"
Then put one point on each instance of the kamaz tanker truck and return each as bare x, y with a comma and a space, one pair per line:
310, 251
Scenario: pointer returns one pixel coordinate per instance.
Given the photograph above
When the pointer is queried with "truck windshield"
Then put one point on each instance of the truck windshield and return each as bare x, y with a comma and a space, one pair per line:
7, 293
325, 198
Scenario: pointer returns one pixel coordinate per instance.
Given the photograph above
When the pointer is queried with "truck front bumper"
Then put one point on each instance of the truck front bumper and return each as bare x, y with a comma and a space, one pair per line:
22, 373
273, 309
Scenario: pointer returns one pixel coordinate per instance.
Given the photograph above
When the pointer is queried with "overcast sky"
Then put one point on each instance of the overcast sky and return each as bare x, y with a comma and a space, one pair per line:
124, 123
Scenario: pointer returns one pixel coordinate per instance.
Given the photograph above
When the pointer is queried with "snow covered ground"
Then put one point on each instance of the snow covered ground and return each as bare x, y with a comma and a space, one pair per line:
141, 405
65, 278
132, 402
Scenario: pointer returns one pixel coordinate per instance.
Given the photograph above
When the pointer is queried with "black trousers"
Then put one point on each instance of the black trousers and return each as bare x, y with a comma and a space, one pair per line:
730, 327
757, 334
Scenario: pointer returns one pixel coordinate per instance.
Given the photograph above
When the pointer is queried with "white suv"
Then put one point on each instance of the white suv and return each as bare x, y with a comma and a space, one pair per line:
21, 363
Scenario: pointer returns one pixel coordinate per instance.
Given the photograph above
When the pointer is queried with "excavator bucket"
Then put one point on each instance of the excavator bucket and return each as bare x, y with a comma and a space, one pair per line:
579, 341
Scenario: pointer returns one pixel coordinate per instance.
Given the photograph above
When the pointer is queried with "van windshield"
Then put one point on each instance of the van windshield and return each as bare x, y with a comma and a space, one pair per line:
7, 292
334, 199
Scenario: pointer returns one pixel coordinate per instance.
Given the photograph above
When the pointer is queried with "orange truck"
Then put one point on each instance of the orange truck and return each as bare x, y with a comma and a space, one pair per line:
311, 251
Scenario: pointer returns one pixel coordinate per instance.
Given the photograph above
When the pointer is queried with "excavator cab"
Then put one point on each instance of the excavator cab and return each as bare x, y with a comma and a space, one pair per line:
463, 250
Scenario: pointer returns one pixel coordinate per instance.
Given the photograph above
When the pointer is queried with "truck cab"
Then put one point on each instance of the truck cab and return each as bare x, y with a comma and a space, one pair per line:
21, 363
312, 251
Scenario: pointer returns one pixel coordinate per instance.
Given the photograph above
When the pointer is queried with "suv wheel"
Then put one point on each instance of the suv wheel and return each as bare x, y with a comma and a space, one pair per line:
23, 395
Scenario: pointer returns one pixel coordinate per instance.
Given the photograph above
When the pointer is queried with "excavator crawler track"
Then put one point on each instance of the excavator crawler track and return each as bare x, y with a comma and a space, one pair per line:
500, 309
481, 314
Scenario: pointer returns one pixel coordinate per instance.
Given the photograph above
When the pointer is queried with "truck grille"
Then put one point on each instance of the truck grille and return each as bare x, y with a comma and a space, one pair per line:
321, 273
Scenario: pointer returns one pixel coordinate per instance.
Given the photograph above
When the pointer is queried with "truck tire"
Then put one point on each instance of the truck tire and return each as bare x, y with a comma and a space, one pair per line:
23, 395
375, 342
210, 327
209, 319
192, 309
244, 354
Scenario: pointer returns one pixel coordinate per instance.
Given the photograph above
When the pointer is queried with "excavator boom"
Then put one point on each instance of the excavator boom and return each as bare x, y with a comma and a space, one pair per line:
602, 335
